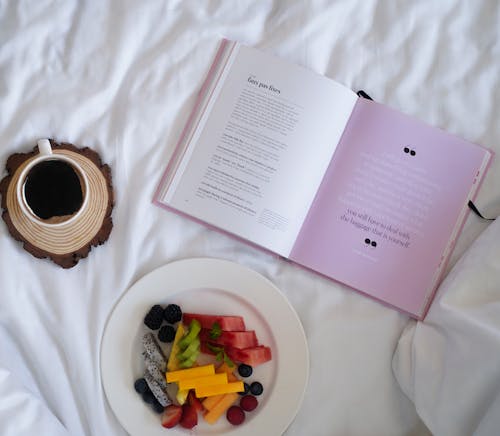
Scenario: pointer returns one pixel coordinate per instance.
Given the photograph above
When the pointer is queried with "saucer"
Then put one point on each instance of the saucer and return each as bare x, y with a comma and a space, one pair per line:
66, 243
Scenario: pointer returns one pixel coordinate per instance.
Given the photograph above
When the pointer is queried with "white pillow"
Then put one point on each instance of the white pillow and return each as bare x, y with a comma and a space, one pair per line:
449, 364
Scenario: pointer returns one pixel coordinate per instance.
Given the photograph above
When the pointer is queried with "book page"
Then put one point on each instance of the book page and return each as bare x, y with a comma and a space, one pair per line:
258, 157
390, 206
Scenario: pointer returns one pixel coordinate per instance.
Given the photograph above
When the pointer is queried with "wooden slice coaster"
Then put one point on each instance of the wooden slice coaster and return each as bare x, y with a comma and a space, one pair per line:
65, 243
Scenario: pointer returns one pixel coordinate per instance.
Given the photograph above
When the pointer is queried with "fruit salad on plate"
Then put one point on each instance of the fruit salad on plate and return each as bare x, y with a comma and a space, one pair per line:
199, 366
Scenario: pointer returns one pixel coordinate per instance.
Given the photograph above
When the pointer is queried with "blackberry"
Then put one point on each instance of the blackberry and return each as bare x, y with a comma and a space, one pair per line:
154, 317
256, 388
166, 333
245, 370
246, 386
172, 313
141, 386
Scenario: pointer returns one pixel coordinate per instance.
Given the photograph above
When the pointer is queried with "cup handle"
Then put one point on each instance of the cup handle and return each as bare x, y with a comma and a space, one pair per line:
44, 146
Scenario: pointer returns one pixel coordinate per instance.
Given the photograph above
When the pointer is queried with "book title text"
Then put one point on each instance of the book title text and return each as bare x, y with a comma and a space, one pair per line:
259, 84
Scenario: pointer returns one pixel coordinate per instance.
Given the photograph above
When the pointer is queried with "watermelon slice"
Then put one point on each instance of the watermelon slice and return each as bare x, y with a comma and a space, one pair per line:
227, 323
237, 339
252, 356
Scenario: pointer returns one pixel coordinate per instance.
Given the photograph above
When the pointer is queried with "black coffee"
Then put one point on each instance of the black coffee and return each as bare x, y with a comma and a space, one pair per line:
53, 189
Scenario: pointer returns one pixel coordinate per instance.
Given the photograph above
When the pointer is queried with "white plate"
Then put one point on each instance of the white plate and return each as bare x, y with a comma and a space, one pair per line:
214, 287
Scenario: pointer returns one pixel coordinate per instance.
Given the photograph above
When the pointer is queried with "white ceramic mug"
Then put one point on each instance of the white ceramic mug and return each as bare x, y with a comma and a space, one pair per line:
44, 154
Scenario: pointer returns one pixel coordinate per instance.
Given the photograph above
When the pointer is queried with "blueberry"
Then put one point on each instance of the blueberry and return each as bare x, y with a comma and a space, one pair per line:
141, 386
157, 407
256, 388
148, 397
166, 333
246, 386
245, 370
172, 313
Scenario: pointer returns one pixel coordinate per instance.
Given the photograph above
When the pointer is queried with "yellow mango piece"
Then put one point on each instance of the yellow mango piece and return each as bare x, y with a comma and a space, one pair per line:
210, 402
208, 391
185, 374
224, 403
209, 380
173, 361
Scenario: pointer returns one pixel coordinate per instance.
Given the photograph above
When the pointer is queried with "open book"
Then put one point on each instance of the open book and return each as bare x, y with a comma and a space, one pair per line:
297, 164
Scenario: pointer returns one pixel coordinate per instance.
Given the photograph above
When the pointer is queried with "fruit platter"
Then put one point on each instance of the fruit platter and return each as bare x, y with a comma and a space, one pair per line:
204, 347
199, 366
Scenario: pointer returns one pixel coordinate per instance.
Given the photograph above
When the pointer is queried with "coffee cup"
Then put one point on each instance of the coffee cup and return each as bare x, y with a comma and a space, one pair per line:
52, 189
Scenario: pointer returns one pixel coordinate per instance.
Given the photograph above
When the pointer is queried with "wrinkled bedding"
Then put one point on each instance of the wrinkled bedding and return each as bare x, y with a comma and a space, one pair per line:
121, 77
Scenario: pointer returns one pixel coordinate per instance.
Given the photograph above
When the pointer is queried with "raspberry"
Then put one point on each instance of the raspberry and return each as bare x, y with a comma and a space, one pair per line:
248, 403
235, 415
166, 333
154, 317
172, 313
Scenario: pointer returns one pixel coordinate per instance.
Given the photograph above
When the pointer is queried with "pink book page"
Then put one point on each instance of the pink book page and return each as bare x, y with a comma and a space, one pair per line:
390, 206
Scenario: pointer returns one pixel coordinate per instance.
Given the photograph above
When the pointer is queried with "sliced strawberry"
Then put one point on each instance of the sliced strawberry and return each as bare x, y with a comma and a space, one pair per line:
195, 402
189, 416
171, 416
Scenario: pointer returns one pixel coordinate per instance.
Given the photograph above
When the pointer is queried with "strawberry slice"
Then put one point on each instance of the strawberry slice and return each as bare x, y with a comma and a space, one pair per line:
189, 416
171, 416
195, 402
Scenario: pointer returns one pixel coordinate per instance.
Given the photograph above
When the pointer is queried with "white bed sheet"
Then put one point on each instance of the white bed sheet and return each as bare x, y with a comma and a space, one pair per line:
449, 365
121, 77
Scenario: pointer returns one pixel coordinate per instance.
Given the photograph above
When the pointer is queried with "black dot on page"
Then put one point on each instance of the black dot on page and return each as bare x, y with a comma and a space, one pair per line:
413, 152
367, 241
374, 244
406, 150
